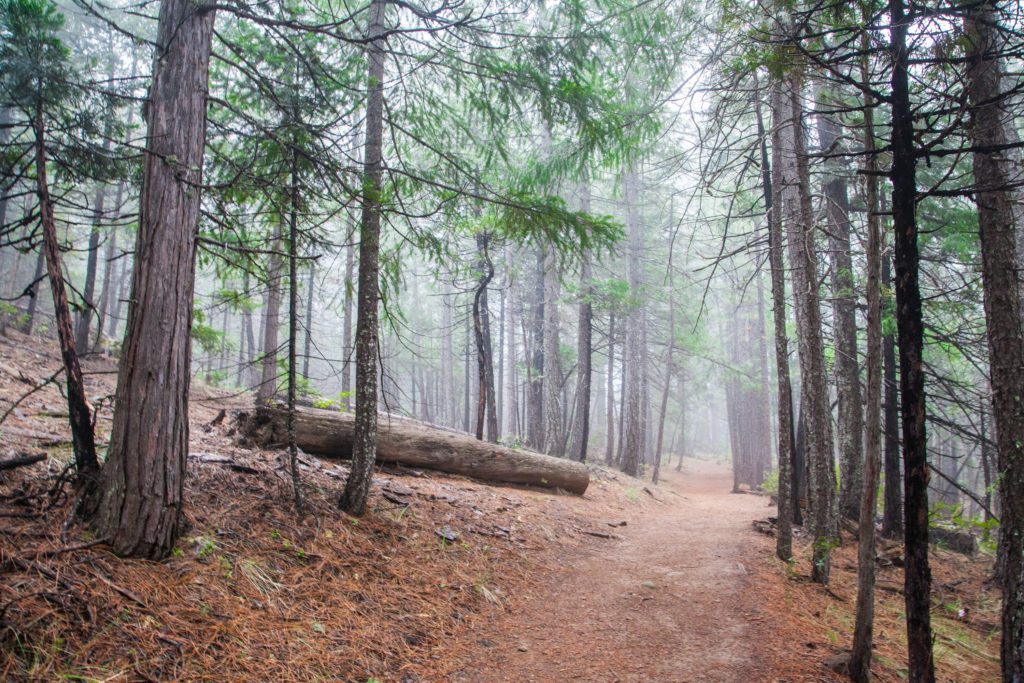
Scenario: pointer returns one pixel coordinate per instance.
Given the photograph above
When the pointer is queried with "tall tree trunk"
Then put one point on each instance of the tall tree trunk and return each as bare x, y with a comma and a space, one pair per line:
308, 353
535, 406
584, 348
553, 437
632, 432
814, 384
346, 325
268, 361
670, 343
998, 222
89, 290
142, 483
106, 292
510, 403
850, 421
680, 432
447, 384
82, 438
108, 271
609, 439
917, 574
293, 315
863, 635
33, 295
486, 404
364, 445
499, 391
892, 517
467, 382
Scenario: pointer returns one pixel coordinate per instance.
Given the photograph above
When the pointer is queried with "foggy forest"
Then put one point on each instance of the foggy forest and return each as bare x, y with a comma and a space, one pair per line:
492, 340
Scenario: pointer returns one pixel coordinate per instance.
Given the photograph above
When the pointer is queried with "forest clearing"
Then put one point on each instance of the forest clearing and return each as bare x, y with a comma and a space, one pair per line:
471, 340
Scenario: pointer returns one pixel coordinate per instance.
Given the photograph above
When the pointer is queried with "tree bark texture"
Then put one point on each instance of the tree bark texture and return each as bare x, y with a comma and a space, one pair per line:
553, 425
910, 329
863, 635
632, 428
850, 422
268, 361
584, 349
486, 403
364, 450
609, 441
79, 413
892, 516
772, 184
994, 176
140, 503
814, 385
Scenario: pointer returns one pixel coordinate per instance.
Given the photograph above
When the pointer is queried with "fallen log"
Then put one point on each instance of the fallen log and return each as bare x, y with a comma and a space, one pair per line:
328, 433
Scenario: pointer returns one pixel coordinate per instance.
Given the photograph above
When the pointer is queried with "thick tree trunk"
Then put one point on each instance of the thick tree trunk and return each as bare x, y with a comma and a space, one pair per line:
850, 422
917, 574
553, 437
364, 449
584, 349
140, 503
268, 361
632, 431
82, 438
995, 175
331, 433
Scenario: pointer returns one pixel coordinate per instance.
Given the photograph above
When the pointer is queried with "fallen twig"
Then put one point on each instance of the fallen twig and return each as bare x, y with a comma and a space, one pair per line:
21, 460
33, 390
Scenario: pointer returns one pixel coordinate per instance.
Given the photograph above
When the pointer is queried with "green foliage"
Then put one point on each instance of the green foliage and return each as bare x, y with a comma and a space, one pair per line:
341, 403
206, 336
303, 385
545, 220
34, 63
770, 484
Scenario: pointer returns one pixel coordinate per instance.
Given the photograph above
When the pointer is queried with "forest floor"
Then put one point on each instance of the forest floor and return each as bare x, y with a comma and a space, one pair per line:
445, 579
667, 601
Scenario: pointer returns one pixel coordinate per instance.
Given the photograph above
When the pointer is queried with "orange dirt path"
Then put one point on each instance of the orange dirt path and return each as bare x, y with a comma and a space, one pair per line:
666, 601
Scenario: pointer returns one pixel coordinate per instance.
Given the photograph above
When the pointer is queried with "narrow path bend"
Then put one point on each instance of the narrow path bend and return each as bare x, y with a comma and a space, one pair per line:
665, 602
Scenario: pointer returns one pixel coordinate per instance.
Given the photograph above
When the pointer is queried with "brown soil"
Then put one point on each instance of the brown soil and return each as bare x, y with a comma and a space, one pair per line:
664, 602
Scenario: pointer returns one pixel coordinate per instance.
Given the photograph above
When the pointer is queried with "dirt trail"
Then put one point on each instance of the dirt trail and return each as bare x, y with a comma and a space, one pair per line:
666, 601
